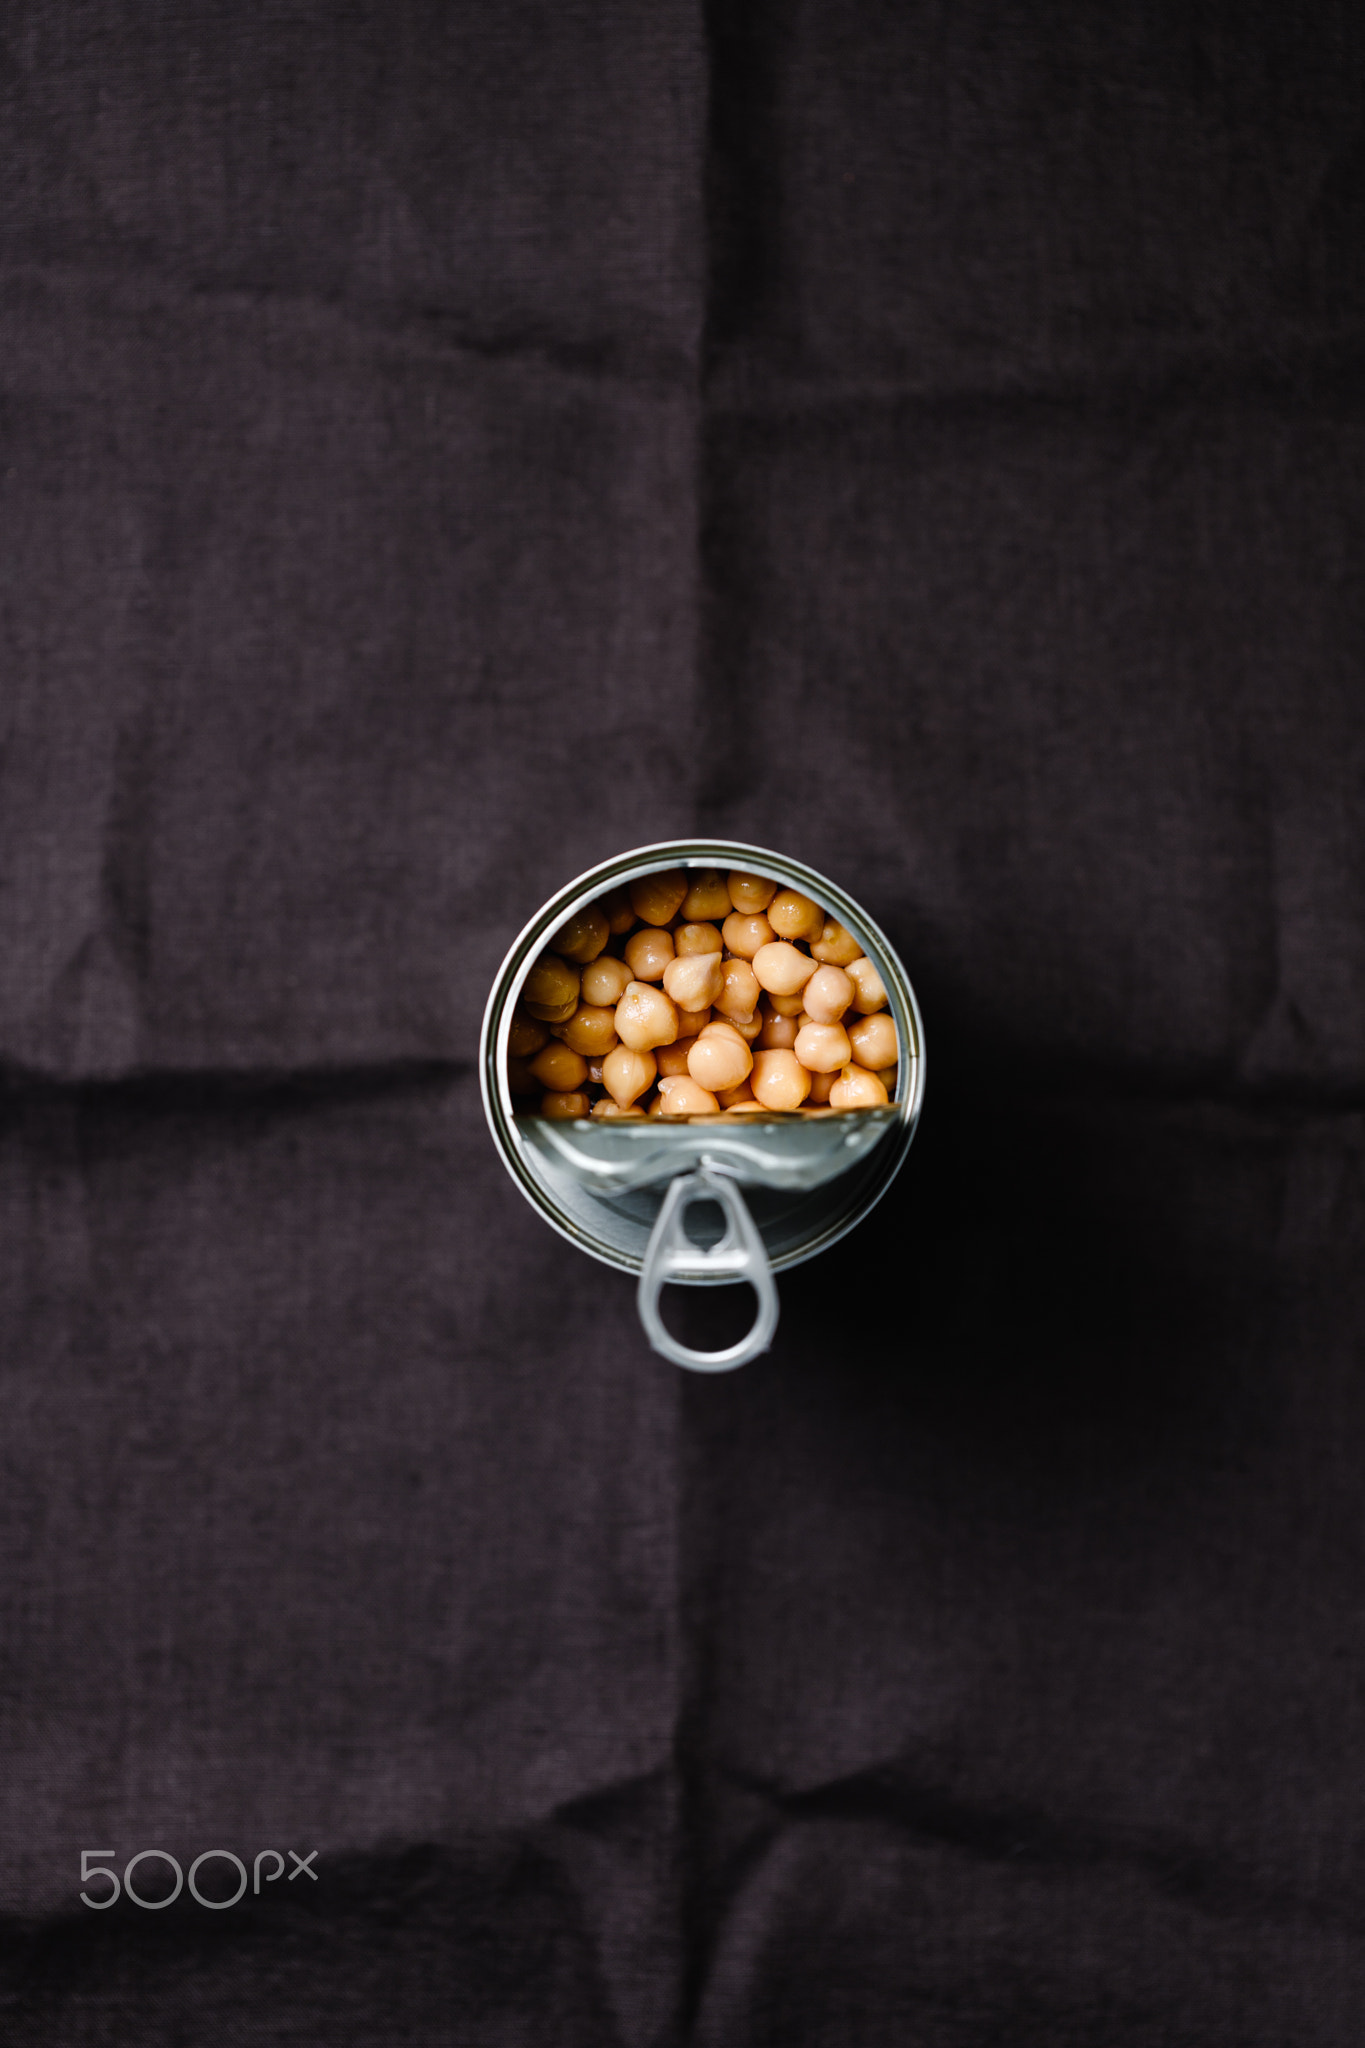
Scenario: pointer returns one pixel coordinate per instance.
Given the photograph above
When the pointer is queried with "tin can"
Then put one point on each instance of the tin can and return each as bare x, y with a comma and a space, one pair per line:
786, 1187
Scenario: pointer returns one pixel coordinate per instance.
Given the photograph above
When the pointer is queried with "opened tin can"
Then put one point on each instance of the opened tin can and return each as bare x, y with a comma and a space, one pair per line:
786, 1186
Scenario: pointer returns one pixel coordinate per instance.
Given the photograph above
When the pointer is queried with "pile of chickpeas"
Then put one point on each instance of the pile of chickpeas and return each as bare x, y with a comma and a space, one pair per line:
699, 993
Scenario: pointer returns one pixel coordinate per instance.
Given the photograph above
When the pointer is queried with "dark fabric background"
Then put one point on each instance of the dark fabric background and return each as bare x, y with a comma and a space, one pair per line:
443, 446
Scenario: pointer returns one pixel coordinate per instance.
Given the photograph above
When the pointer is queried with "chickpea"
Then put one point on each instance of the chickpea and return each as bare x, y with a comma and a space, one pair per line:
695, 981
779, 1080
828, 994
696, 938
874, 1042
750, 1029
657, 898
595, 1073
673, 1059
583, 937
739, 996
591, 1030
823, 1048
786, 1006
526, 1036
744, 935
549, 986
604, 981
618, 911
857, 1089
563, 1107
731, 1098
781, 969
748, 1106
820, 1085
647, 953
794, 916
778, 1033
707, 895
645, 1017
690, 1022
721, 1027
520, 1079
682, 1096
551, 1015
719, 1060
607, 1109
560, 1069
869, 993
750, 893
835, 947
887, 1077
627, 1074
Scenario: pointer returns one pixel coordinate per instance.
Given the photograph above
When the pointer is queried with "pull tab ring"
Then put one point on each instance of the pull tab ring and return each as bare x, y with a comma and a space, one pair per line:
740, 1255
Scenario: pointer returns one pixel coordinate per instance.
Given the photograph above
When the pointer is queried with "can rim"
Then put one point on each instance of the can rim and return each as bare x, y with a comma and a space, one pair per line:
626, 867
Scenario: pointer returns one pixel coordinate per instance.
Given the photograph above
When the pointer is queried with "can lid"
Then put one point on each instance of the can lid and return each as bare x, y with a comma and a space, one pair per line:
781, 1152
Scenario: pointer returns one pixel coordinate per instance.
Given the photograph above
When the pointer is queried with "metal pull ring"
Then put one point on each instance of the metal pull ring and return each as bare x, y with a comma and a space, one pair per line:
740, 1255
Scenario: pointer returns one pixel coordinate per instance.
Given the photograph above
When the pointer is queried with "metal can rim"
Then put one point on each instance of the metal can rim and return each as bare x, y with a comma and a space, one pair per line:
626, 867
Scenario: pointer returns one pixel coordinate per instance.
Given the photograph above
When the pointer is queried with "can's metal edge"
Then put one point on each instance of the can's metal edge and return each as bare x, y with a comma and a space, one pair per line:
626, 867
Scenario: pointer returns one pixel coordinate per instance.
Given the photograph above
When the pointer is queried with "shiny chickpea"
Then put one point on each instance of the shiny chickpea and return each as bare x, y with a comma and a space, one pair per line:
690, 1022
731, 1098
682, 1096
834, 946
695, 981
617, 909
744, 934
748, 1032
560, 1069
719, 1060
673, 1059
627, 1074
696, 938
595, 1073
869, 991
781, 968
786, 1006
707, 895
779, 1080
857, 1089
657, 898
606, 1109
794, 916
648, 953
778, 1033
750, 893
591, 1030
520, 1079
828, 994
646, 1017
526, 1036
605, 980
552, 1016
738, 998
550, 985
822, 1048
874, 1042
562, 1107
583, 937
820, 1085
